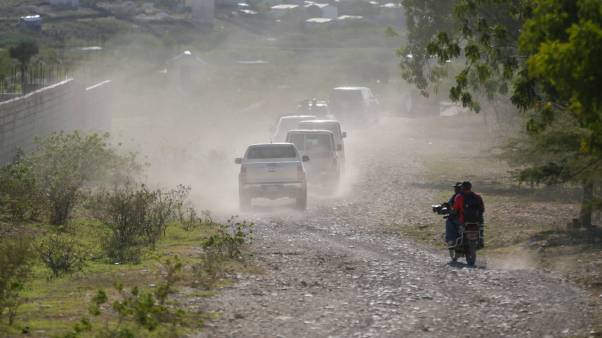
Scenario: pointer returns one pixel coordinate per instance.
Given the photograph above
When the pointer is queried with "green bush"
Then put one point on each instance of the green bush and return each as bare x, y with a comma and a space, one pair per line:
61, 254
228, 239
15, 262
54, 177
140, 312
189, 218
19, 197
64, 164
226, 243
136, 217
163, 210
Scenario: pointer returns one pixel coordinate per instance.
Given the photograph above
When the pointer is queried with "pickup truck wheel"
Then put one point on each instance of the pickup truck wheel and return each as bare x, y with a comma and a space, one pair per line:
301, 202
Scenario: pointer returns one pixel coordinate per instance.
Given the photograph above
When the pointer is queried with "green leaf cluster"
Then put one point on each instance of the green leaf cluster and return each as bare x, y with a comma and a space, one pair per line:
481, 34
545, 54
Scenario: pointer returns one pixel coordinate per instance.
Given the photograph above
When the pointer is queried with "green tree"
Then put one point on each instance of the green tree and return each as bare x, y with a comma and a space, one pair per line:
23, 52
65, 164
424, 20
478, 35
560, 81
545, 54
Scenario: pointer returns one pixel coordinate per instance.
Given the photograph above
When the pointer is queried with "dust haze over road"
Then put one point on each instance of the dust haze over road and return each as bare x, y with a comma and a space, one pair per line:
341, 269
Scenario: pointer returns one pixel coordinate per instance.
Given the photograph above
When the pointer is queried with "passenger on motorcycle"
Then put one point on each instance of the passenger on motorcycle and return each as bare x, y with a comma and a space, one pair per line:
452, 222
470, 208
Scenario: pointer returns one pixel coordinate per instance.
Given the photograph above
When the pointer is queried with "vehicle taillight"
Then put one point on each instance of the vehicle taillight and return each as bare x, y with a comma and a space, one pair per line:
300, 173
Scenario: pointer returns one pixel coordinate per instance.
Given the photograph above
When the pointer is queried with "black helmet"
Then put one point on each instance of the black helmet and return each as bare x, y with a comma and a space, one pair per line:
467, 185
457, 185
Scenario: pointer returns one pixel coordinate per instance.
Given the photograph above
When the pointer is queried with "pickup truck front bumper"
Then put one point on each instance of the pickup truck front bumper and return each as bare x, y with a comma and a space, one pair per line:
272, 190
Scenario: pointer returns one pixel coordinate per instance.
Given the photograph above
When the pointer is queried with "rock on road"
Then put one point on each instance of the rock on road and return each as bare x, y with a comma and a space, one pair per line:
341, 270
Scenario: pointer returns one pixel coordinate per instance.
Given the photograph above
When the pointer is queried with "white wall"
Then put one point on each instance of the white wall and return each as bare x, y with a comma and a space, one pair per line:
65, 106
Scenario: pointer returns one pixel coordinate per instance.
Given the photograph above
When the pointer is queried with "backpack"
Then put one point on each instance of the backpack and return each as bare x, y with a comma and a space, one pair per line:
472, 208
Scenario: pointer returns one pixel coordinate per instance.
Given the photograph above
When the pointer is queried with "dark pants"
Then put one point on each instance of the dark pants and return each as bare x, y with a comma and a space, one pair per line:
451, 230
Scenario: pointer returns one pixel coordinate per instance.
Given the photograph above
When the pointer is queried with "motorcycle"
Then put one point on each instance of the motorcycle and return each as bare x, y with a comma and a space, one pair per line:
467, 242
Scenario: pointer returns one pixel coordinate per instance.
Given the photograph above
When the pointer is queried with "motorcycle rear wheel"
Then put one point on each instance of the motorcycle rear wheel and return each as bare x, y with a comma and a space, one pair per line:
471, 253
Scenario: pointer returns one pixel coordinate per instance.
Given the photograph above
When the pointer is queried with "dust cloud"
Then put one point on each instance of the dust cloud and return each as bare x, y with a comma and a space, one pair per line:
190, 114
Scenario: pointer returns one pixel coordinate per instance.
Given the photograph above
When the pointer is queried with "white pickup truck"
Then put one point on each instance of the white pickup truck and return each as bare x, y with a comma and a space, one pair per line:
272, 170
320, 145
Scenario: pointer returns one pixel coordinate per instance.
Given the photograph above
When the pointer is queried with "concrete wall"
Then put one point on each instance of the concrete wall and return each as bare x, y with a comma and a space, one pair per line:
65, 106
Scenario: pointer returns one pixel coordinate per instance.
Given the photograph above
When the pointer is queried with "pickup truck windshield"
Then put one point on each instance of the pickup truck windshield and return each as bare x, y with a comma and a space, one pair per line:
283, 151
312, 142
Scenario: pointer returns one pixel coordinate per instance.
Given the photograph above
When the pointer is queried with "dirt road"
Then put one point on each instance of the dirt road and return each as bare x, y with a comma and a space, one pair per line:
342, 270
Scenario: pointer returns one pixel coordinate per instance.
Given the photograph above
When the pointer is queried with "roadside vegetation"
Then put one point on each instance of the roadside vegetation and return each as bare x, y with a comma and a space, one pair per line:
87, 249
530, 68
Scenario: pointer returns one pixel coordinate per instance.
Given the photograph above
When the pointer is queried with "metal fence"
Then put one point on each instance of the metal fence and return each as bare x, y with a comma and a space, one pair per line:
37, 76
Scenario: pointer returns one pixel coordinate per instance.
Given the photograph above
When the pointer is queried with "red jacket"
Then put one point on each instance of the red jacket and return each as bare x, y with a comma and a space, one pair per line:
459, 205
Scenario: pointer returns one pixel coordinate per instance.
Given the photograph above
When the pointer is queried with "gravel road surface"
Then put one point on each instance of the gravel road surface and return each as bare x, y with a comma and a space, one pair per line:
342, 270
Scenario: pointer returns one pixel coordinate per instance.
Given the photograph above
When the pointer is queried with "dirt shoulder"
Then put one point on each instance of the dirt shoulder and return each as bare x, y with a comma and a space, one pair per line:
525, 227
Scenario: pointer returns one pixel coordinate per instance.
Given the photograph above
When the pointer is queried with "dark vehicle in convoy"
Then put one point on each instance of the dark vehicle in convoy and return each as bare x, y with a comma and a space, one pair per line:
320, 146
287, 123
355, 105
272, 171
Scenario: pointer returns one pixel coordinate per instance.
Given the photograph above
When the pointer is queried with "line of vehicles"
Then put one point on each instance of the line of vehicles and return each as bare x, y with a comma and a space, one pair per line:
307, 147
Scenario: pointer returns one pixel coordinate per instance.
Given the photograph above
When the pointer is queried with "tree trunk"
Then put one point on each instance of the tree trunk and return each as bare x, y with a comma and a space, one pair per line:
585, 217
23, 79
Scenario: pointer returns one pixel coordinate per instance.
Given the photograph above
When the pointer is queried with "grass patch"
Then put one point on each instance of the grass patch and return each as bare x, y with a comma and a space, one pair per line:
52, 306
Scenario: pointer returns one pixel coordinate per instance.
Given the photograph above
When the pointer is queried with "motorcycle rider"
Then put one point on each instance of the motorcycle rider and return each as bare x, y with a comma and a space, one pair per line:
452, 221
470, 207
